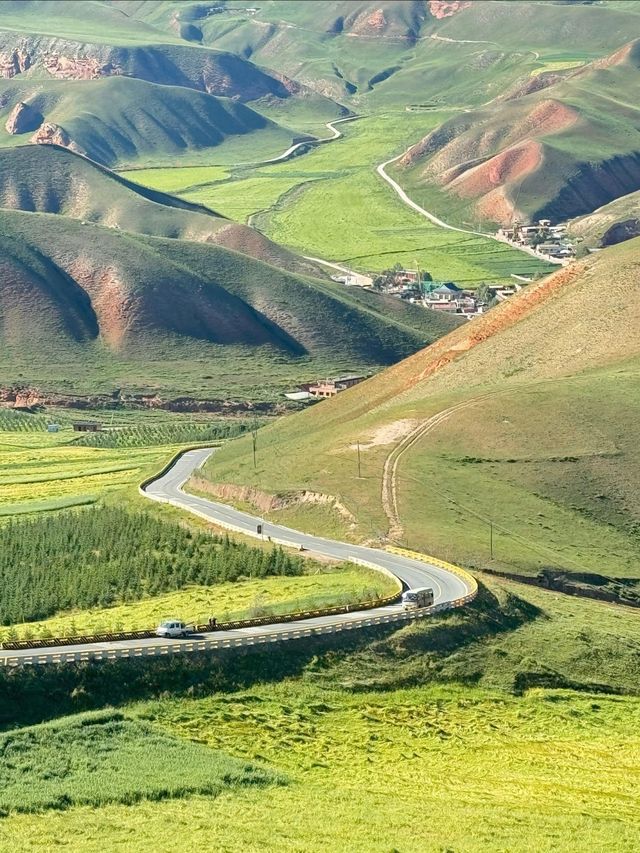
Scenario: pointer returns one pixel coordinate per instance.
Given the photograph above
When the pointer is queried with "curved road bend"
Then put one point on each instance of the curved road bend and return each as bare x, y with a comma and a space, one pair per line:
414, 573
168, 488
313, 143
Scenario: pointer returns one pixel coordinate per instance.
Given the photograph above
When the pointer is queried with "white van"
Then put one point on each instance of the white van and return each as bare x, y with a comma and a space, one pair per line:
412, 599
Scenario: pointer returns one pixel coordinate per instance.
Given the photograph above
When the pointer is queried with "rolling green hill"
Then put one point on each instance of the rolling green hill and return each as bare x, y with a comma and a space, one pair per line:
50, 179
550, 149
85, 307
45, 42
120, 121
526, 418
380, 52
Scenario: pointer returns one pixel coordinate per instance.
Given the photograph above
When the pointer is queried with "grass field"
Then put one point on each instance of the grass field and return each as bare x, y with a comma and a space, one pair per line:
104, 758
424, 722
312, 203
58, 469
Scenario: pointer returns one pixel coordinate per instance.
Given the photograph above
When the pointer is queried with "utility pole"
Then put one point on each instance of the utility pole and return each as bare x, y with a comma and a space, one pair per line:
254, 441
359, 468
491, 539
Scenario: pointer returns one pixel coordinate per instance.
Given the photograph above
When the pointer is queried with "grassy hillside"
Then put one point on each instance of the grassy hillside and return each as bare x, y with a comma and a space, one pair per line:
44, 43
381, 52
50, 179
118, 120
153, 313
613, 223
101, 22
537, 438
546, 149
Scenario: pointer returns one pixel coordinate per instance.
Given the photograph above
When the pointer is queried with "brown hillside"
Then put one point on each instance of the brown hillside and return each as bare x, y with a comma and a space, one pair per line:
556, 148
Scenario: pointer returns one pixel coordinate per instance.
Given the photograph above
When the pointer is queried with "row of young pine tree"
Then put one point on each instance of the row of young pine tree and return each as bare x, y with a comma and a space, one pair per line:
143, 435
104, 556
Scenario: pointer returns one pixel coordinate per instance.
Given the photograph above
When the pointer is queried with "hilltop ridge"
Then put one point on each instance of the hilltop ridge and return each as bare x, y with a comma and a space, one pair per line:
543, 150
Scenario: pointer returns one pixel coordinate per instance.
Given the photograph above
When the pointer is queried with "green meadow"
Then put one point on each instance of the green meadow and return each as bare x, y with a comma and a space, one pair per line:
330, 203
105, 758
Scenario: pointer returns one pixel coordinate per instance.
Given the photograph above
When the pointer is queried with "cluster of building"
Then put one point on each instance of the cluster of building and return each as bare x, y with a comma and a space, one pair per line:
543, 238
447, 296
321, 389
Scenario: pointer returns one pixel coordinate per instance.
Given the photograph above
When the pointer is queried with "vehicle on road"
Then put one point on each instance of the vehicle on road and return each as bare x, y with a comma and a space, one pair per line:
413, 599
173, 628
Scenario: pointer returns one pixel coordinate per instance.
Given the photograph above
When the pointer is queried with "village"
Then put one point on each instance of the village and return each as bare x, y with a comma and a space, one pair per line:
420, 288
548, 241
542, 239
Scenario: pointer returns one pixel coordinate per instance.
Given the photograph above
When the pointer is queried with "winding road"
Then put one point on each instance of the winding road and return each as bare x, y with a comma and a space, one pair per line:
309, 143
450, 589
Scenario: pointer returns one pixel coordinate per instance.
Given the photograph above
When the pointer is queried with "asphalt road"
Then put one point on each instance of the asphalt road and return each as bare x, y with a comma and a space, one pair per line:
413, 573
168, 488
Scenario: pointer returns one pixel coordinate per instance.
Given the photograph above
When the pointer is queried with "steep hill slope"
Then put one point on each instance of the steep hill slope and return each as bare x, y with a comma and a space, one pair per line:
50, 179
84, 306
118, 120
613, 223
549, 149
526, 419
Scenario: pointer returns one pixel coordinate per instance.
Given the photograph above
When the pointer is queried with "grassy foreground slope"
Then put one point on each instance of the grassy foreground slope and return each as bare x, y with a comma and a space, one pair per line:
543, 444
473, 718
147, 313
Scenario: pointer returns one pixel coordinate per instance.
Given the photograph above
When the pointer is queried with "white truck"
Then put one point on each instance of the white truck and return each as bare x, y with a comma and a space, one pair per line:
172, 628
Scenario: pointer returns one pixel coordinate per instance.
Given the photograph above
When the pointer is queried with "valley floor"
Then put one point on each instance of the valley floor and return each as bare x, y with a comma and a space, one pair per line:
330, 203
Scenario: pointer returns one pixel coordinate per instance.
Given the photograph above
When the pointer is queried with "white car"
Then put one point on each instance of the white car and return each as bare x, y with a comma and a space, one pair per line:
172, 628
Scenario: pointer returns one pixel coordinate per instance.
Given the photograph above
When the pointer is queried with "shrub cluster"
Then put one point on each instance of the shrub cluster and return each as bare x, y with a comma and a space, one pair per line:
106, 555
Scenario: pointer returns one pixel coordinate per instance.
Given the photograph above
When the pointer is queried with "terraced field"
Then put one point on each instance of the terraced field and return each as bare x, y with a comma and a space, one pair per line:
39, 471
